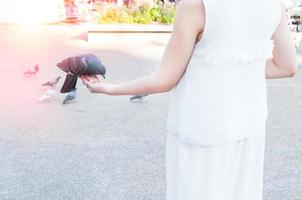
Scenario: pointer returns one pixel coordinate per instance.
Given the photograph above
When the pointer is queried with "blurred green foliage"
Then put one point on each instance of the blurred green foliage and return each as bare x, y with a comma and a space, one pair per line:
142, 14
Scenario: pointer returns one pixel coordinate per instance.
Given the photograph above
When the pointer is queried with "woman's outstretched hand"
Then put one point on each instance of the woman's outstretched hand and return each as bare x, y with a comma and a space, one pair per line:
97, 85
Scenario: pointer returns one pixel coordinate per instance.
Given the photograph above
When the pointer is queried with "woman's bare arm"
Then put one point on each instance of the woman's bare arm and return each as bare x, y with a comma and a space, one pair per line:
284, 61
189, 23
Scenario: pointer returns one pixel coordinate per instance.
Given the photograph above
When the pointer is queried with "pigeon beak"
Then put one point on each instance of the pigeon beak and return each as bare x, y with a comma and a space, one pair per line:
103, 76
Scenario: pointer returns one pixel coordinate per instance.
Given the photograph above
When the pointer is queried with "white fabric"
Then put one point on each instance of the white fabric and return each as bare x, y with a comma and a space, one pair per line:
224, 172
221, 97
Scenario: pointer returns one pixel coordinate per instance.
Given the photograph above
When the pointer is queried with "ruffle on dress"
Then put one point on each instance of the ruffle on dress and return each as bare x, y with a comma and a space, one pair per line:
236, 57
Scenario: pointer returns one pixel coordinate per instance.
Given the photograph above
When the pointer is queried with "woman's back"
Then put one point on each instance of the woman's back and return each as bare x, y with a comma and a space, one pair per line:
238, 27
222, 96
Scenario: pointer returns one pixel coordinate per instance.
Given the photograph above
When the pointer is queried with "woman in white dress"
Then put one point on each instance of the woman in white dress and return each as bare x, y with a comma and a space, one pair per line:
216, 63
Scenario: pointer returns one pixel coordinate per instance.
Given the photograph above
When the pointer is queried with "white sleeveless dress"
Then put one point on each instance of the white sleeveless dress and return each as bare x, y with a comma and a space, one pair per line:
218, 110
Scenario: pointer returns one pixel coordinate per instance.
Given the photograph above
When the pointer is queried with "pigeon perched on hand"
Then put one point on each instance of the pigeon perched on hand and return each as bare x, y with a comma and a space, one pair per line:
76, 66
30, 72
50, 93
52, 83
137, 98
70, 96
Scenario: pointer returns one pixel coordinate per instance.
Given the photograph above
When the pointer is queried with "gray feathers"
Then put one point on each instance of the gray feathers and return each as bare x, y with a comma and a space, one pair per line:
47, 96
137, 97
70, 97
52, 83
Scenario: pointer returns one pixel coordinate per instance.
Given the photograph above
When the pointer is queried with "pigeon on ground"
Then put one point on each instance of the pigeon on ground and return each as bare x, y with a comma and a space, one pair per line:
137, 98
70, 96
50, 93
52, 83
82, 36
86, 64
30, 72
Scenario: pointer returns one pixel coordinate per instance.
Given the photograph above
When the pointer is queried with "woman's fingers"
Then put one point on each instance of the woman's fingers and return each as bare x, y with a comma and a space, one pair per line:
86, 82
91, 78
84, 77
101, 78
93, 83
96, 77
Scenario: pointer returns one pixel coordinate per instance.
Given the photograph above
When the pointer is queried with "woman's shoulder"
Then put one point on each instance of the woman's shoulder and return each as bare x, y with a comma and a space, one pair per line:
191, 11
191, 2
191, 5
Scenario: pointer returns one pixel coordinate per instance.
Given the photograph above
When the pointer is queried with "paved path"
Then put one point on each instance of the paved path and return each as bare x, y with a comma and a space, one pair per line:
103, 147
